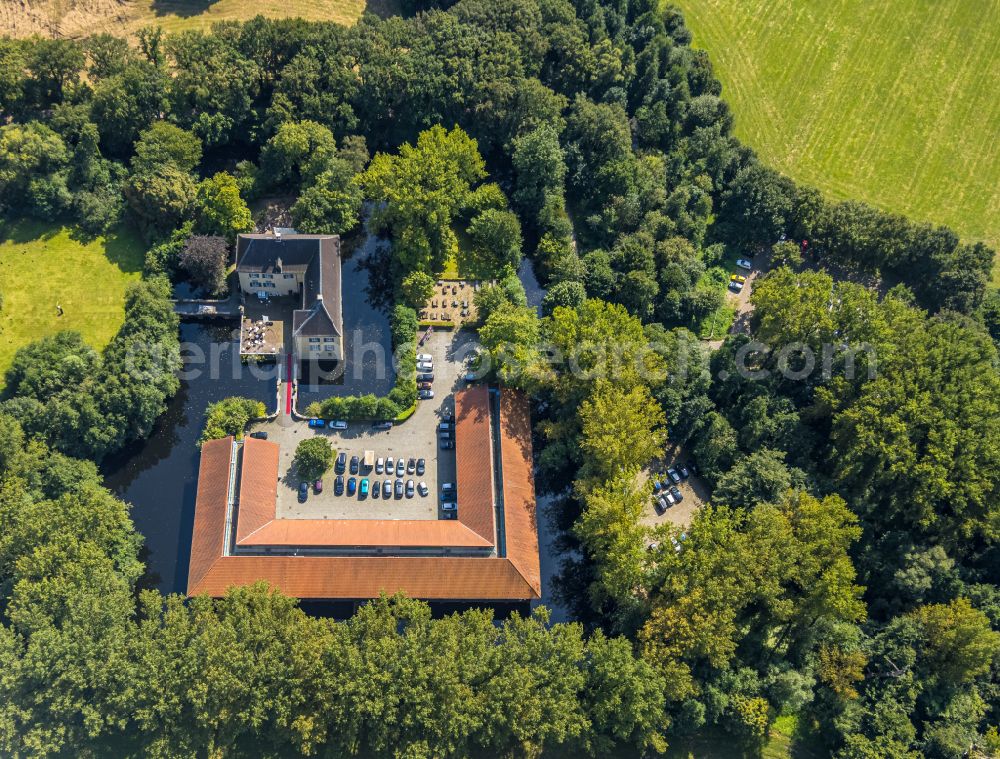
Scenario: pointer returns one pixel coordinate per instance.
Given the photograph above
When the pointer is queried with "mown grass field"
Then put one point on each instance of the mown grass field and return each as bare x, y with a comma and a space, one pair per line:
43, 266
79, 18
894, 102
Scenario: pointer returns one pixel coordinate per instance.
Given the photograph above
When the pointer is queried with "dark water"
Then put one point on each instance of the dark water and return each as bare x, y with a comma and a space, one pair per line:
532, 289
159, 476
366, 291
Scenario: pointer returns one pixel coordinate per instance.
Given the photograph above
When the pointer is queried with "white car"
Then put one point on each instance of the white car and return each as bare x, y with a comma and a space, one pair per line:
425, 366
744, 264
425, 357
449, 506
422, 488
379, 465
338, 425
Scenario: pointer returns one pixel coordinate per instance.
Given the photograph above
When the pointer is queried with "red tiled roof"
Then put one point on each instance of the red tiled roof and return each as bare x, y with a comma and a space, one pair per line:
520, 516
365, 532
210, 508
514, 577
474, 460
258, 486
323, 577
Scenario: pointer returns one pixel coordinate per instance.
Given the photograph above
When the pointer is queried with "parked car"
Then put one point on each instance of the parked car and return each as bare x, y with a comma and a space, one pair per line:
656, 486
447, 490
338, 485
390, 465
676, 493
379, 465
738, 278
303, 491
425, 366
317, 423
444, 427
445, 445
449, 417
421, 464
409, 488
449, 515
352, 485
425, 357
683, 471
376, 490
400, 467
338, 425
449, 506
318, 486
744, 264
661, 505
387, 488
382, 426
399, 489
341, 464
445, 434
425, 377
674, 475
364, 487
355, 463
259, 435
411, 465
424, 386
422, 488
424, 394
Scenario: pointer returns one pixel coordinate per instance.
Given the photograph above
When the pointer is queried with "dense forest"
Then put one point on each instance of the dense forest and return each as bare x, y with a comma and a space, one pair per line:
846, 571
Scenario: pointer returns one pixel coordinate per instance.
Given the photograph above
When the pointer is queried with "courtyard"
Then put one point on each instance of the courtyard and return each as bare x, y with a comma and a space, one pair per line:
416, 438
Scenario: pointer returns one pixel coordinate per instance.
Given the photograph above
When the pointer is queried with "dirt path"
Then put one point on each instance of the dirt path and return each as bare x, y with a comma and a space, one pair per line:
744, 308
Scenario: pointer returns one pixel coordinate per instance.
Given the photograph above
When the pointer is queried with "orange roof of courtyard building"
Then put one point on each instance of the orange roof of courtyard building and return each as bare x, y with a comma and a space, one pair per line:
479, 574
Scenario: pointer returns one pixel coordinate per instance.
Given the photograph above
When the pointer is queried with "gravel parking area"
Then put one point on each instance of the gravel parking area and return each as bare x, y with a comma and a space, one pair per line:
416, 437
693, 489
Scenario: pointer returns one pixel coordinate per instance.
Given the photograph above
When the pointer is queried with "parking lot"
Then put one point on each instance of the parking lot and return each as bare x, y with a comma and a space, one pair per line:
692, 490
415, 438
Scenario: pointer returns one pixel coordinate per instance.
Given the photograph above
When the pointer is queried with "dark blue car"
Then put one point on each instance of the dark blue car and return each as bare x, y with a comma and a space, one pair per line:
352, 486
303, 491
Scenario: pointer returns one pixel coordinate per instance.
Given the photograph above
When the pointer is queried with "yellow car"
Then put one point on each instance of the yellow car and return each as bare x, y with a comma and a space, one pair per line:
738, 278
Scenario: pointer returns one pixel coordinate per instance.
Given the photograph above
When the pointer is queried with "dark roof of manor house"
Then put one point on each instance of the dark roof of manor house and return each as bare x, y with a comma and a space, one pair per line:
238, 539
317, 259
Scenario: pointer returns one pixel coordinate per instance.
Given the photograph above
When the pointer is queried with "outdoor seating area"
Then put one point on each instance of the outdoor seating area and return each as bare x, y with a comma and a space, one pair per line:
452, 302
260, 337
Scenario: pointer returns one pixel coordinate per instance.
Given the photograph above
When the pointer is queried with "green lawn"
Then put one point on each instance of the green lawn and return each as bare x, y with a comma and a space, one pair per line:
41, 266
894, 102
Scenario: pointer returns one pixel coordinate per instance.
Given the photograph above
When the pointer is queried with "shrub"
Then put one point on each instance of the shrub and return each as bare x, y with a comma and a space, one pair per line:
230, 416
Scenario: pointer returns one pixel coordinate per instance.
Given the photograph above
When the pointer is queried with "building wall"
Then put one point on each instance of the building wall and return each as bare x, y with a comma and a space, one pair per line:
272, 284
319, 348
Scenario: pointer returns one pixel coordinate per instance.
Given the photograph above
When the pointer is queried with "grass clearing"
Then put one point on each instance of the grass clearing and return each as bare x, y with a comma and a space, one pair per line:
42, 265
889, 101
56, 18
